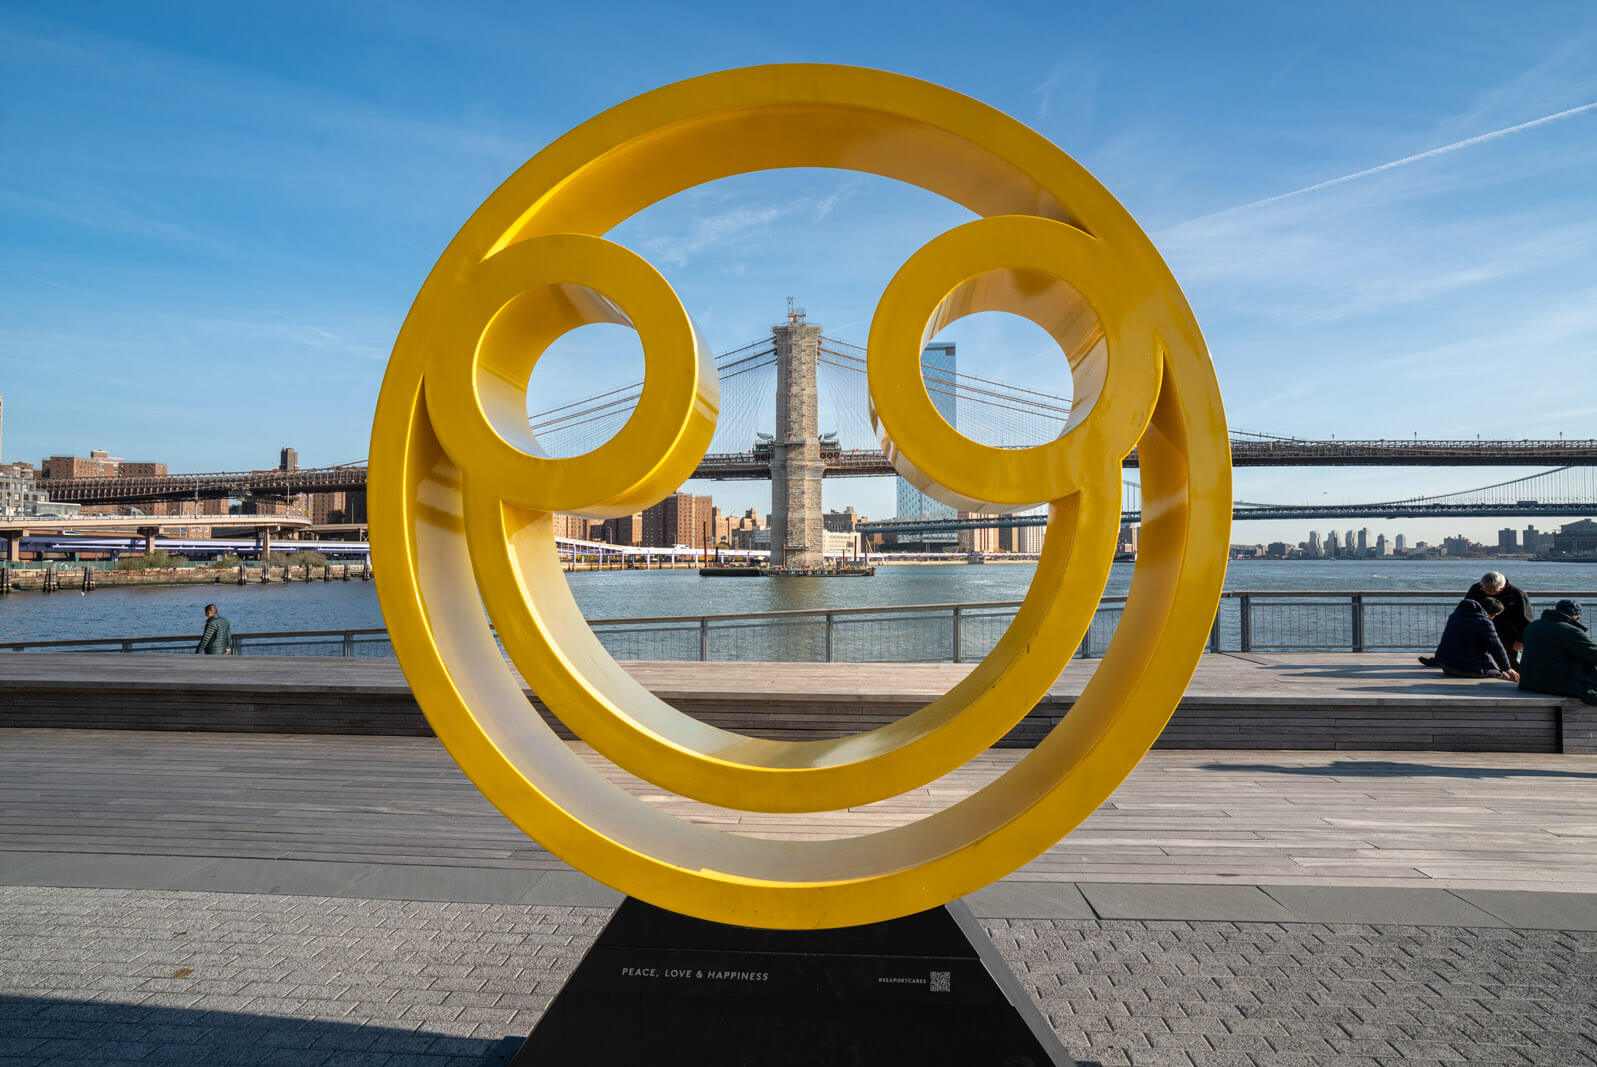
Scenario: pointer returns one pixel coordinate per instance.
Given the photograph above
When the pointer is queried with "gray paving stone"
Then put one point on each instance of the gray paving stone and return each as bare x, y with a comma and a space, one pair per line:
1030, 900
1229, 903
1120, 991
570, 889
95, 870
295, 877
15, 861
484, 885
1536, 910
1375, 905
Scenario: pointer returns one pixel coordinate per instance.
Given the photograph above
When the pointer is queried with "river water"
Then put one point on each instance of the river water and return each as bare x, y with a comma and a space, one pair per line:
70, 614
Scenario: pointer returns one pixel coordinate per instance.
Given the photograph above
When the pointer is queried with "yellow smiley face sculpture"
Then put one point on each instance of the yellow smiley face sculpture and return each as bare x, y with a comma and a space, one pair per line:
461, 496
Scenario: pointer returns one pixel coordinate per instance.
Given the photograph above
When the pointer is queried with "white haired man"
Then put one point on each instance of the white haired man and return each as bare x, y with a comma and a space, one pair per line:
1516, 614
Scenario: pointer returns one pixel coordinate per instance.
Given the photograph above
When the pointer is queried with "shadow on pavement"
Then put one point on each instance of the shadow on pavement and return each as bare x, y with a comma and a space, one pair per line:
1393, 769
1431, 679
57, 1030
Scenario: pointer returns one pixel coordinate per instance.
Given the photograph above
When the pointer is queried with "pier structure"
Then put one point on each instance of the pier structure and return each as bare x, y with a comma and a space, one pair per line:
797, 527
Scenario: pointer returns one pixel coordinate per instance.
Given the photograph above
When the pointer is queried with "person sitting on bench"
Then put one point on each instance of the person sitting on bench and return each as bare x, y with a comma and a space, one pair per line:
1470, 647
1560, 656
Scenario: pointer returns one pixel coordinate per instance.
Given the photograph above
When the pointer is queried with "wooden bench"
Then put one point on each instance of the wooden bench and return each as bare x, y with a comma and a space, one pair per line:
1366, 701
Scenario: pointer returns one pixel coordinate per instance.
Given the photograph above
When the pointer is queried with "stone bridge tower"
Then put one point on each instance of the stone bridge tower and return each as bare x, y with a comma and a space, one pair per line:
797, 540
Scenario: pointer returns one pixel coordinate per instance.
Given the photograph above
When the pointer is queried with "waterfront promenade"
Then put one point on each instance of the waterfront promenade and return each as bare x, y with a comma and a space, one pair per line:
353, 900
209, 897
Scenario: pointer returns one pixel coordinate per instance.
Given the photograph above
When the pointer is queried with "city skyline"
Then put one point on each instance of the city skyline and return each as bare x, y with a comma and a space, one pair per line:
1392, 535
1380, 218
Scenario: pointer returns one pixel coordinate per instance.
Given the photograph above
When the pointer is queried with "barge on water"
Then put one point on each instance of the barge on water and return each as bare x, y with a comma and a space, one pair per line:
752, 571
850, 571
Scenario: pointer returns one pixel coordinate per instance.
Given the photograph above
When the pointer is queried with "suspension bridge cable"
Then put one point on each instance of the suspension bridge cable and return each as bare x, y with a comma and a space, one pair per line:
1007, 394
587, 400
639, 384
968, 396
576, 420
629, 397
972, 377
744, 348
1547, 474
1557, 473
933, 374
595, 411
972, 395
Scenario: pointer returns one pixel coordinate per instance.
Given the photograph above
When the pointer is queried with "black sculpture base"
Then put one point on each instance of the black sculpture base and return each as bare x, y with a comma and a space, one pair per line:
659, 988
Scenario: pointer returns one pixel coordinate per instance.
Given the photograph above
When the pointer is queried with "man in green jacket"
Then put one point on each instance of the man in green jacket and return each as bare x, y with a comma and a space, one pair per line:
218, 635
1560, 657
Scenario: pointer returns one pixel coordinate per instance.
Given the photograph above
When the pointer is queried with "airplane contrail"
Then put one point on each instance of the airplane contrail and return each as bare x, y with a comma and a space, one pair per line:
1406, 160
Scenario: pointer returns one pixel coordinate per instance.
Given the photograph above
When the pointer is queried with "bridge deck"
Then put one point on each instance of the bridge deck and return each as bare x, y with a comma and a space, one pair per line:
1254, 700
1245, 452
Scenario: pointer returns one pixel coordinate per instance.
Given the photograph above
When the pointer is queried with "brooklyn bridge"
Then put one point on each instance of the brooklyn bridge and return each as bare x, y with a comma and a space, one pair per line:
794, 409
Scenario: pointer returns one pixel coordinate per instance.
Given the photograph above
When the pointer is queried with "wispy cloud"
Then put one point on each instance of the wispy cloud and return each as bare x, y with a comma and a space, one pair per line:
1561, 417
100, 214
259, 106
1411, 282
734, 224
1556, 341
1327, 266
1456, 146
1074, 80
1564, 73
711, 230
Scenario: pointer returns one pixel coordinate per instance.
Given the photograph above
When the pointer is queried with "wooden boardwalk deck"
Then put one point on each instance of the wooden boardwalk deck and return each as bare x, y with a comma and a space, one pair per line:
1437, 820
1366, 701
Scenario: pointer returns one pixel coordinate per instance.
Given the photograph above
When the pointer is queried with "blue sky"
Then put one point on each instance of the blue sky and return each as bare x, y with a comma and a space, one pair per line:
214, 217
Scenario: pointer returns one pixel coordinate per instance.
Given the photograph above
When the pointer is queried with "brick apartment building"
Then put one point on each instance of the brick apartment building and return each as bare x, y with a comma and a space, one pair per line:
679, 519
99, 464
981, 539
576, 527
95, 465
736, 530
203, 506
625, 530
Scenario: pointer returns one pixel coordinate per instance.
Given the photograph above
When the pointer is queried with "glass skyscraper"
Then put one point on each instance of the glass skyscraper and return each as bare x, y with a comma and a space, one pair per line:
939, 368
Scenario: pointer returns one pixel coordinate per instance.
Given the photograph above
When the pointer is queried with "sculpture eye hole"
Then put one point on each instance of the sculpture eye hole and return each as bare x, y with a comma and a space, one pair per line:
562, 410
1003, 384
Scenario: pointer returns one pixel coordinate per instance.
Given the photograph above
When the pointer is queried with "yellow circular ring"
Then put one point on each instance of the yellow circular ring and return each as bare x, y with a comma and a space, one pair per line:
1067, 282
422, 506
508, 310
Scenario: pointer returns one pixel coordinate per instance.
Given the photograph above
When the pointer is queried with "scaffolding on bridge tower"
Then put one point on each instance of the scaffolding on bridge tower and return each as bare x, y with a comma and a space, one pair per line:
797, 527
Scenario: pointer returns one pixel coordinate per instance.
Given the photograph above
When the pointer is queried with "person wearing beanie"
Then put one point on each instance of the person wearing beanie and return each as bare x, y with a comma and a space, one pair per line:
1560, 657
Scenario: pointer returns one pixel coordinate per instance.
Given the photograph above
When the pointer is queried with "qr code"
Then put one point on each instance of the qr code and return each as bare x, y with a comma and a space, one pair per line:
942, 982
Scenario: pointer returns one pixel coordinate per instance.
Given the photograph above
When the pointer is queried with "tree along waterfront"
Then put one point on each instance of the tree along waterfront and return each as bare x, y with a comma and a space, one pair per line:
68, 615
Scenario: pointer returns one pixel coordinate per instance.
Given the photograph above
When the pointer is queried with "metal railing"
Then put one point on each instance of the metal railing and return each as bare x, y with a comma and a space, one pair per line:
1248, 621
365, 641
1362, 621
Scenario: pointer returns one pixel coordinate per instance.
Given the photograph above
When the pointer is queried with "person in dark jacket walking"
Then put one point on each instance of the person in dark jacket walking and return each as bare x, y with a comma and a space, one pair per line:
218, 635
1470, 647
1516, 615
1560, 656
